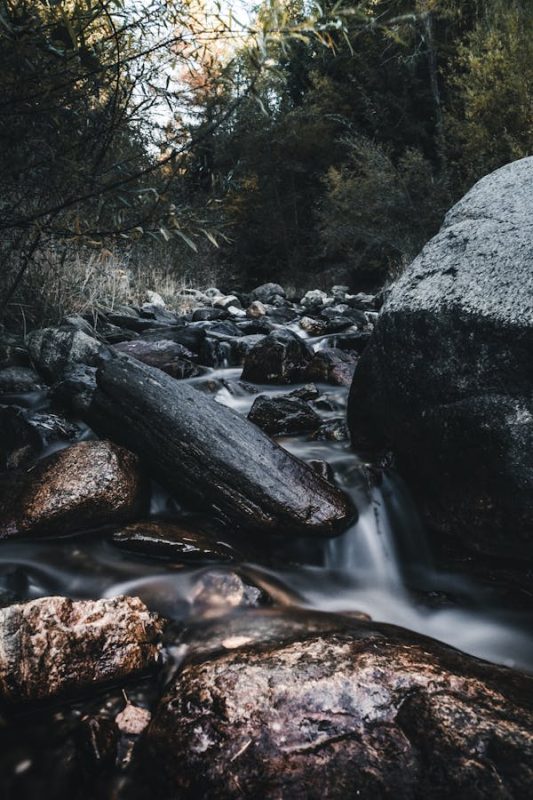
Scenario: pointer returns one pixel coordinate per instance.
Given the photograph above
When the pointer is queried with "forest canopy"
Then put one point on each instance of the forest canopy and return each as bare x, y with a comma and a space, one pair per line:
284, 138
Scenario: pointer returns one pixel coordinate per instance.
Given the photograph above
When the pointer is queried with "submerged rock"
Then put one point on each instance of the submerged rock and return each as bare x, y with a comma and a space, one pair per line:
213, 456
179, 541
313, 706
447, 381
281, 357
56, 646
82, 486
283, 416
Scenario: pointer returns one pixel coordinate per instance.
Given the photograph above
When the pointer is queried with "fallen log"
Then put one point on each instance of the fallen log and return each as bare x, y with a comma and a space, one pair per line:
211, 455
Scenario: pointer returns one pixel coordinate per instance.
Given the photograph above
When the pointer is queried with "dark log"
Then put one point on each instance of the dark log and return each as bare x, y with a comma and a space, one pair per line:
209, 454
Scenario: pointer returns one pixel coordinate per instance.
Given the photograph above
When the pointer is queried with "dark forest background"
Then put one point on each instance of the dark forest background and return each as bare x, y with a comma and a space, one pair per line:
164, 144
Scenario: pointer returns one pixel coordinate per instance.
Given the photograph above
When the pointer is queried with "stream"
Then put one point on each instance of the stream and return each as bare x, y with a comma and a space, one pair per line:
382, 566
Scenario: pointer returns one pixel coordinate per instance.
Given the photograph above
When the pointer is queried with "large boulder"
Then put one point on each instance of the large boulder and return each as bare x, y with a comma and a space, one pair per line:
314, 706
447, 380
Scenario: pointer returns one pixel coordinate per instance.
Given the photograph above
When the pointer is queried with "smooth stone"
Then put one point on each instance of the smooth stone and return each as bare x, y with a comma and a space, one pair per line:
80, 487
179, 541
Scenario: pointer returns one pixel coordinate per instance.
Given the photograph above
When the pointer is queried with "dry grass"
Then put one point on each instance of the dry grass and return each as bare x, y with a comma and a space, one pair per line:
77, 280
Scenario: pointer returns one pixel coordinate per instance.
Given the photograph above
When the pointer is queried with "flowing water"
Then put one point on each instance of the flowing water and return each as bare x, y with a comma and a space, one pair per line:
381, 567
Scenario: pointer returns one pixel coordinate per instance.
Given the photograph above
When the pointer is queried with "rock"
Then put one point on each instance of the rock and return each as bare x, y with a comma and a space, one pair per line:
315, 299
76, 387
207, 314
155, 299
256, 310
331, 365
24, 434
171, 357
254, 326
53, 350
88, 484
323, 468
19, 380
352, 340
314, 327
267, 291
78, 322
314, 706
180, 541
333, 430
226, 301
218, 592
211, 455
447, 380
339, 292
132, 720
56, 646
361, 301
283, 416
281, 357
13, 351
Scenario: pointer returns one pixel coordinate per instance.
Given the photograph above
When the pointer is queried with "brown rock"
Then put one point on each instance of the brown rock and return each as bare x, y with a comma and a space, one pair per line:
321, 707
179, 541
54, 645
89, 484
334, 366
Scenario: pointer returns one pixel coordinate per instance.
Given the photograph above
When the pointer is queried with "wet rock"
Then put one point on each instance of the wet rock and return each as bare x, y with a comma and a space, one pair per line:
308, 392
267, 291
132, 720
82, 486
56, 646
171, 357
75, 388
283, 416
19, 379
211, 455
180, 541
333, 430
53, 350
323, 468
113, 334
334, 366
256, 309
313, 706
447, 381
281, 357
24, 434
